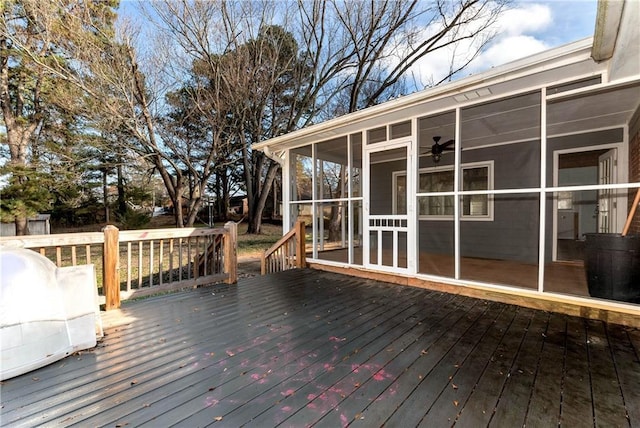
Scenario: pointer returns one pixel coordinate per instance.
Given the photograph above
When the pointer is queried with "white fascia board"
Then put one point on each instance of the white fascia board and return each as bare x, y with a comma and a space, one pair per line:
573, 52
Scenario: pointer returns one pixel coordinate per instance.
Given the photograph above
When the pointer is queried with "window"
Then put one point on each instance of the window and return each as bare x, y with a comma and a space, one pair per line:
475, 177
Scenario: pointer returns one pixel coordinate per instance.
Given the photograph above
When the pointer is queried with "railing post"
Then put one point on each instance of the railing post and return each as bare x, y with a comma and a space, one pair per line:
231, 252
110, 256
302, 247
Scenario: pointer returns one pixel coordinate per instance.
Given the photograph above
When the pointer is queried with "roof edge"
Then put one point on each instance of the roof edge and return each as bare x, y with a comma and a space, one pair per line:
608, 19
530, 62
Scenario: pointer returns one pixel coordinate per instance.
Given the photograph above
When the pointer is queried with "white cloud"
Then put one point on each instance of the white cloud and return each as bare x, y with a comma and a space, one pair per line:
520, 32
527, 18
508, 49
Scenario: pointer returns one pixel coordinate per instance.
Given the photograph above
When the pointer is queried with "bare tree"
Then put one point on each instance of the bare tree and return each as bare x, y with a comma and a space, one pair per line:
362, 52
241, 71
38, 42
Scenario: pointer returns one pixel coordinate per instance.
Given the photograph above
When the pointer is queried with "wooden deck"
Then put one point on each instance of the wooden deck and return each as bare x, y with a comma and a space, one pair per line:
307, 347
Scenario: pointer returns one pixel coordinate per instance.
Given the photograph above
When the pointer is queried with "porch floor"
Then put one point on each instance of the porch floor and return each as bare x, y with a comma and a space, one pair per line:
308, 347
560, 277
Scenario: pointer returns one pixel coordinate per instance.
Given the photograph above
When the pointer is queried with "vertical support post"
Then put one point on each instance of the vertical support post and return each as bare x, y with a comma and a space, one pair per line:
110, 256
301, 250
230, 252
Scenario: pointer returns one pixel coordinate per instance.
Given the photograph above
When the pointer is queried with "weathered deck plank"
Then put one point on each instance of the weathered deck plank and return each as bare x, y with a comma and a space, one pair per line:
607, 400
546, 398
314, 348
513, 400
483, 399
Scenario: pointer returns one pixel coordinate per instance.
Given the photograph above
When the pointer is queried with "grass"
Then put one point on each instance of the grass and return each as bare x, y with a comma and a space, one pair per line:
248, 245
254, 245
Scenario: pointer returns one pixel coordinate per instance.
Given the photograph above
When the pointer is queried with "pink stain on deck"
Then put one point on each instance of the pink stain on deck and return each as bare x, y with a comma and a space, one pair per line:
210, 401
288, 392
381, 375
344, 420
286, 409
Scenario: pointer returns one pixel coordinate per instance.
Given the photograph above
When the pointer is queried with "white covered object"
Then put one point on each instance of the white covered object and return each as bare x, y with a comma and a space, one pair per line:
46, 313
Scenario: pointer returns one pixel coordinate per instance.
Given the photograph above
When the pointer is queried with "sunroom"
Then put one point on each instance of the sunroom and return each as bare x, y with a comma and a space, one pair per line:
491, 182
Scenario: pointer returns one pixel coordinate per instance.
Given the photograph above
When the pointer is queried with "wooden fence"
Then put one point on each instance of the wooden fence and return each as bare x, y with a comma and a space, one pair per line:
138, 263
287, 253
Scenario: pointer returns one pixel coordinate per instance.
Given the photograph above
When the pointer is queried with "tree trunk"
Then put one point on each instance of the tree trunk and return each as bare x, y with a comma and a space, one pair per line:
122, 204
194, 208
226, 198
22, 225
335, 224
255, 221
105, 196
177, 213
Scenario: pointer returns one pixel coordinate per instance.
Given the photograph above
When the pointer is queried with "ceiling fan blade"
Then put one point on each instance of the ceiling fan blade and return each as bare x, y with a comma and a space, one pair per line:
448, 143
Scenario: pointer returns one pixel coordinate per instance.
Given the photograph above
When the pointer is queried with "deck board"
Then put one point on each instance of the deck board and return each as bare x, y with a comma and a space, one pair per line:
546, 398
483, 399
316, 348
513, 400
577, 405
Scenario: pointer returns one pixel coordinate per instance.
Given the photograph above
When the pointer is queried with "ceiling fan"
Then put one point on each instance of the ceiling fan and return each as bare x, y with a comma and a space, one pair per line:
437, 149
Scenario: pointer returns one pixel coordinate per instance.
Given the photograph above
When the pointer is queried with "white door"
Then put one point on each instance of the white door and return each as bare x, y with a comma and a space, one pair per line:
606, 198
386, 223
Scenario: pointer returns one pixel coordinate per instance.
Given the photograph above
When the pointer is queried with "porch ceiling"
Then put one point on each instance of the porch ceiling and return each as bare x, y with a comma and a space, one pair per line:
594, 110
518, 118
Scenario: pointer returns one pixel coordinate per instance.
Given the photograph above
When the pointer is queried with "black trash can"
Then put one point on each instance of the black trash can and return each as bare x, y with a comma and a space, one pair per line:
612, 263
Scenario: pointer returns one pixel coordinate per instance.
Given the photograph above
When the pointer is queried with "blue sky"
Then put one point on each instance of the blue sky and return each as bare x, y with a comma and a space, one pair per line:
546, 24
528, 27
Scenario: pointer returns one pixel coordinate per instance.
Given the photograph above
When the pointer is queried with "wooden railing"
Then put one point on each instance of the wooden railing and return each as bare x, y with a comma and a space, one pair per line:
137, 263
287, 253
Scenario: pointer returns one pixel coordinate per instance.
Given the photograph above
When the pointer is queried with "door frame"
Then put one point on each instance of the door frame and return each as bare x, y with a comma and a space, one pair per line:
618, 178
368, 150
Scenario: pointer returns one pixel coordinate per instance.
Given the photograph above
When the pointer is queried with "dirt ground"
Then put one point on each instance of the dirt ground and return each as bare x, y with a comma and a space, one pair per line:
248, 266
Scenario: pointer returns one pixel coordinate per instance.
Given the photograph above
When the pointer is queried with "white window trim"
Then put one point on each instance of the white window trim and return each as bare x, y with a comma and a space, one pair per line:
490, 187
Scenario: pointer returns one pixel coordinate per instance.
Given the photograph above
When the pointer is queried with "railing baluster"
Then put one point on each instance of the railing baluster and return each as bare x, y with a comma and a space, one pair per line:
140, 264
170, 260
128, 266
287, 253
189, 265
160, 257
215, 248
180, 259
150, 263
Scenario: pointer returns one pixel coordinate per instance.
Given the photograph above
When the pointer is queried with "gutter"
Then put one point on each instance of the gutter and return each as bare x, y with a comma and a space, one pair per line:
607, 29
